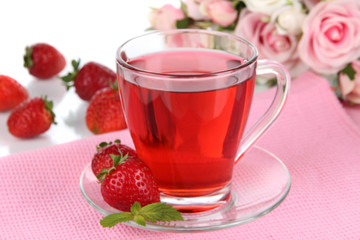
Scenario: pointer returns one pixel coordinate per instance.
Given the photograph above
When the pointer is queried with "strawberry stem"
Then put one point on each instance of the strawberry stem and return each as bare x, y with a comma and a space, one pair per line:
104, 144
117, 160
49, 106
28, 62
70, 77
114, 85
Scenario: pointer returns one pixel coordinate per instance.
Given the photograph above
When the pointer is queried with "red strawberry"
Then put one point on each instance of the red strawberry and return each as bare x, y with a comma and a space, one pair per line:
104, 113
12, 93
31, 118
102, 159
43, 60
89, 79
128, 181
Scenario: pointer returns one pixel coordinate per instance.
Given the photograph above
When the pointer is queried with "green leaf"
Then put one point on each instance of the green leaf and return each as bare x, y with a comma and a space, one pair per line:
184, 7
140, 220
115, 158
236, 3
103, 144
101, 176
113, 219
265, 19
135, 208
28, 62
70, 77
160, 212
231, 27
75, 64
183, 23
114, 85
349, 71
152, 213
203, 24
49, 106
118, 159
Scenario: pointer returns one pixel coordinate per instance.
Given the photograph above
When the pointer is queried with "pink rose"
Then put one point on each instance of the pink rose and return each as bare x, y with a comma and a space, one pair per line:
165, 18
221, 12
331, 36
194, 11
350, 89
270, 44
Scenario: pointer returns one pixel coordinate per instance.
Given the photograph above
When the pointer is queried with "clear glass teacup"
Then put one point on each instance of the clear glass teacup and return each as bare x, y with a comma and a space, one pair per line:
186, 95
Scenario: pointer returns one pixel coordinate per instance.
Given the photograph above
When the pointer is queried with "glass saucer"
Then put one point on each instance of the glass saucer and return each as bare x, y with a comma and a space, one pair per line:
260, 183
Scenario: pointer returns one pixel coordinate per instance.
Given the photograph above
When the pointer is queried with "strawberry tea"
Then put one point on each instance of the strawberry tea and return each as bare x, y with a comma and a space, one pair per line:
186, 98
188, 139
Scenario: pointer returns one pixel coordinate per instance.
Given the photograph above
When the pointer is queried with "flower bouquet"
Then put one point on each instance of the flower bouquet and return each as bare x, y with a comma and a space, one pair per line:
323, 36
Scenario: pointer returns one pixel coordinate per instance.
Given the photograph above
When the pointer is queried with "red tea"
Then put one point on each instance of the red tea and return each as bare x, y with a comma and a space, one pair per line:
187, 132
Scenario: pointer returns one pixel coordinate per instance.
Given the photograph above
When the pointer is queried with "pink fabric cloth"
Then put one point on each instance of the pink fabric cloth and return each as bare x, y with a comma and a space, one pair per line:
40, 196
353, 112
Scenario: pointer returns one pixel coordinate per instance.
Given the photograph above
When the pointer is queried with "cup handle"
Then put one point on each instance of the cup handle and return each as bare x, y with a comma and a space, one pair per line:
272, 113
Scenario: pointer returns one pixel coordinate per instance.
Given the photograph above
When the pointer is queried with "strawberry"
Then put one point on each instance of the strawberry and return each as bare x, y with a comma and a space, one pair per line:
31, 118
102, 159
104, 113
43, 60
89, 79
12, 93
128, 181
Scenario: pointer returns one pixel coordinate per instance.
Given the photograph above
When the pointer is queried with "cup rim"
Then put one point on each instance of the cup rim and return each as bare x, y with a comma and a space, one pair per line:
253, 58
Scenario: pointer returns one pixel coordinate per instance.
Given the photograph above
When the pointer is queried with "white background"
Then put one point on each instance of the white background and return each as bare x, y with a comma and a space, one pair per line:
88, 29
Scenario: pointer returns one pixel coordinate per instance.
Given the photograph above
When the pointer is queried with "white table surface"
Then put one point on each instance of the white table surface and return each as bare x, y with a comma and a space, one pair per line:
88, 29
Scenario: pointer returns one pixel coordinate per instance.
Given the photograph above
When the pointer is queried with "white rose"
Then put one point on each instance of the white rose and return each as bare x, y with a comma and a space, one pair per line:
289, 19
265, 6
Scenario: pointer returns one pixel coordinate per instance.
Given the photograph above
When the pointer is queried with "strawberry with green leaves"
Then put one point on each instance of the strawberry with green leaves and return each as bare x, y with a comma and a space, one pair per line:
88, 79
31, 118
12, 93
127, 181
104, 113
127, 184
102, 159
43, 60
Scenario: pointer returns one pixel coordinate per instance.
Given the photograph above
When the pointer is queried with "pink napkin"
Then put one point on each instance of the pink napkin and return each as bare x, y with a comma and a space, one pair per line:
40, 196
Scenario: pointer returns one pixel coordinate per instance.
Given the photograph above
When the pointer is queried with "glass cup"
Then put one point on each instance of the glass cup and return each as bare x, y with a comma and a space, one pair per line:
186, 95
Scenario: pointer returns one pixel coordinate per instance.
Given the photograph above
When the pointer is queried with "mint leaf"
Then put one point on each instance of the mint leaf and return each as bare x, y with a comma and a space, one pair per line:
135, 208
113, 219
160, 212
349, 71
151, 213
139, 220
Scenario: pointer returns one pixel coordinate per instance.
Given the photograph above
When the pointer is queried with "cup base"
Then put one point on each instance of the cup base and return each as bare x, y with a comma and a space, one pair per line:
199, 204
